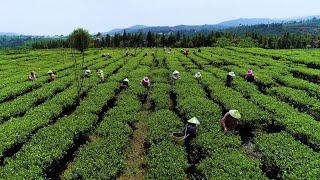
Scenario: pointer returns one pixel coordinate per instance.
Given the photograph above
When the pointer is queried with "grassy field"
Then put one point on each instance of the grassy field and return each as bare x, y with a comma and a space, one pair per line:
49, 131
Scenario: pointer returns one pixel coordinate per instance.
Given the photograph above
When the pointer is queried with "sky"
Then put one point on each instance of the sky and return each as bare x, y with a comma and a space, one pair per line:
55, 17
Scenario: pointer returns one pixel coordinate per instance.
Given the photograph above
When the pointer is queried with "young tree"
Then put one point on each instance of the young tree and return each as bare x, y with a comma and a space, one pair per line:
79, 39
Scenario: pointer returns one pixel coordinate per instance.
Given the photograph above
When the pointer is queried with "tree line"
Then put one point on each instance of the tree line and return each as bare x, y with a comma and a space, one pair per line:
212, 39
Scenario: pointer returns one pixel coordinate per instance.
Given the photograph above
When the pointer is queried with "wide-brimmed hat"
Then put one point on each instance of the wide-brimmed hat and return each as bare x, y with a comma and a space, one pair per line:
235, 113
50, 72
194, 120
126, 80
232, 74
100, 71
146, 79
176, 72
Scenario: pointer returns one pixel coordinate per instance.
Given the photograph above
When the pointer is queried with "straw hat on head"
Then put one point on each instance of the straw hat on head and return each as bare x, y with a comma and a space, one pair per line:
176, 72
126, 80
100, 71
50, 72
194, 120
146, 79
235, 113
232, 74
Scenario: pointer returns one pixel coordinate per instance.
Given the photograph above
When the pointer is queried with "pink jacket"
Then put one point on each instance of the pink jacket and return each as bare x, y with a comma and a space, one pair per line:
146, 82
250, 73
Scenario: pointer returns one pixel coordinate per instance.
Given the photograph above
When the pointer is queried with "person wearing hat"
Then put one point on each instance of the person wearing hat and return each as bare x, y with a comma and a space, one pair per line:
124, 83
230, 78
186, 52
87, 73
32, 76
197, 75
175, 76
100, 74
250, 75
190, 131
52, 76
145, 82
230, 120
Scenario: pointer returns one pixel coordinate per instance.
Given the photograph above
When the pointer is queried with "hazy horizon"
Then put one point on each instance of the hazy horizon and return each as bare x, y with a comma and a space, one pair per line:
36, 17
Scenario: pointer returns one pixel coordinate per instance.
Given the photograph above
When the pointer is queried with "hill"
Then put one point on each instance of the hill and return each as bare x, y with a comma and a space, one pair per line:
311, 26
192, 29
8, 34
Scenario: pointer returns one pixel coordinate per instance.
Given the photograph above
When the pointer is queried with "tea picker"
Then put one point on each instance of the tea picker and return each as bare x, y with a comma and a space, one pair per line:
32, 76
197, 75
87, 73
229, 79
250, 75
52, 75
100, 75
188, 133
175, 76
124, 83
230, 120
145, 82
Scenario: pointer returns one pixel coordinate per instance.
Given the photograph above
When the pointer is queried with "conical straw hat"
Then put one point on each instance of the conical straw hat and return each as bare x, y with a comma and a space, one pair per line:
126, 80
176, 72
232, 74
194, 120
235, 113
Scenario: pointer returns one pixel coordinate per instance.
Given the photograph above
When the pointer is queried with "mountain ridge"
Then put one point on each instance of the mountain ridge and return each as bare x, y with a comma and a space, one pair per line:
207, 27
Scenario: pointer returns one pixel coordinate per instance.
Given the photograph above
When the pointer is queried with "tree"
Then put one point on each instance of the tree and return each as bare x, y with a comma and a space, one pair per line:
79, 39
247, 43
224, 42
151, 39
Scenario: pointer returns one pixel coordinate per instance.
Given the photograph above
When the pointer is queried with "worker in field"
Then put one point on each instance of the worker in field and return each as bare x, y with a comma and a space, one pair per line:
186, 52
87, 72
100, 75
106, 56
145, 82
190, 131
230, 120
32, 76
250, 75
229, 79
197, 75
124, 83
175, 76
52, 75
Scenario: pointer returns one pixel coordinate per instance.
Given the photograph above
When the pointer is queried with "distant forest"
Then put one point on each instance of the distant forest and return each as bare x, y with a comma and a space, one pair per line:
305, 34
219, 39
